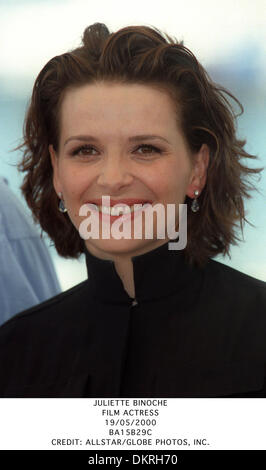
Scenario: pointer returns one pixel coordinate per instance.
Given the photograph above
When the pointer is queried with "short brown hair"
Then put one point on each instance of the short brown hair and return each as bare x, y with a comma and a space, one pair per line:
144, 55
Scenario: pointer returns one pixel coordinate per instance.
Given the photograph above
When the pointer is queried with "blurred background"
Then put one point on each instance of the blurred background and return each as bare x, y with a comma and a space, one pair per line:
227, 37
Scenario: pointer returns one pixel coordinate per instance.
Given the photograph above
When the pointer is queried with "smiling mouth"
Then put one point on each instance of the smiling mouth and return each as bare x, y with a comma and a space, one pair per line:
121, 209
115, 208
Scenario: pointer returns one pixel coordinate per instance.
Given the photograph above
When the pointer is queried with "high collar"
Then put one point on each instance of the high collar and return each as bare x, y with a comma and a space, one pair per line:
157, 273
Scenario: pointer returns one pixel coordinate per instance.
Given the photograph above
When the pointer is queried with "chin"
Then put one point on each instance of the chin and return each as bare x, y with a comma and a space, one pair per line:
103, 248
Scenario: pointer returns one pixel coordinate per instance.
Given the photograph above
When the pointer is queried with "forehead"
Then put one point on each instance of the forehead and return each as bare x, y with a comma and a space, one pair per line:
117, 105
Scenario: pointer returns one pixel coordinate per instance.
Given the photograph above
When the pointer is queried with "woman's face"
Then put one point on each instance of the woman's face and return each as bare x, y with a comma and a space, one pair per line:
115, 161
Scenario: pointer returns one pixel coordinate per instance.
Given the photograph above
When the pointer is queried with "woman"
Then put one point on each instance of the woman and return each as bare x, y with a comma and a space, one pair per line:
133, 116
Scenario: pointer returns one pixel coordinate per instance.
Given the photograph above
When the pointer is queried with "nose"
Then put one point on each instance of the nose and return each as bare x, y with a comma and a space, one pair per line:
114, 174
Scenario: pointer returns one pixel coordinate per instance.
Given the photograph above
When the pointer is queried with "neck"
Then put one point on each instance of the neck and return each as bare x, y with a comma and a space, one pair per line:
124, 269
123, 263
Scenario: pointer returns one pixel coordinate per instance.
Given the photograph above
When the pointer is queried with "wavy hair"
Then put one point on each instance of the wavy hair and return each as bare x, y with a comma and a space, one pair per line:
141, 55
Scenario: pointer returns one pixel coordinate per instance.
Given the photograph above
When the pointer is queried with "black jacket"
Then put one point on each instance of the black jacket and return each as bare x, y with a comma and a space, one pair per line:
190, 333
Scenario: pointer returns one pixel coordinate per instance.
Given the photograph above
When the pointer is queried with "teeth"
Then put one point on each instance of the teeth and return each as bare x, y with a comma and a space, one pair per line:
116, 210
119, 210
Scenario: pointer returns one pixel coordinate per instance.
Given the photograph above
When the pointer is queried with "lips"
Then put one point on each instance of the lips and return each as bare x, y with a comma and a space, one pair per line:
113, 202
123, 207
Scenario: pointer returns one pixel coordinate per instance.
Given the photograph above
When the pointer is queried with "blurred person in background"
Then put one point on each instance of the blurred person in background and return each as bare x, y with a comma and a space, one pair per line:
27, 275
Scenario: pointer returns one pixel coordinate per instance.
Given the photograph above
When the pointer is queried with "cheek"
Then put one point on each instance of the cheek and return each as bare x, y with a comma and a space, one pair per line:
74, 182
158, 177
179, 178
170, 183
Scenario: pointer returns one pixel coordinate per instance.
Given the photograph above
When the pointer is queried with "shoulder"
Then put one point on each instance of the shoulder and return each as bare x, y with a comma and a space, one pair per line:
51, 313
232, 311
229, 274
235, 288
40, 345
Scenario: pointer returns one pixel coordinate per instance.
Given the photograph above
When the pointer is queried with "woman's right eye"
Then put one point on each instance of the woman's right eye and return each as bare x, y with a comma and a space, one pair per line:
84, 149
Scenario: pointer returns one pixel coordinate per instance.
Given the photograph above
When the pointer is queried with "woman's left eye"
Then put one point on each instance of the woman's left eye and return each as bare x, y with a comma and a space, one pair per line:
150, 148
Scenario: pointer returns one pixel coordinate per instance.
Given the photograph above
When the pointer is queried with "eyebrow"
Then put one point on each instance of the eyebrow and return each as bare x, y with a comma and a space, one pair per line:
135, 138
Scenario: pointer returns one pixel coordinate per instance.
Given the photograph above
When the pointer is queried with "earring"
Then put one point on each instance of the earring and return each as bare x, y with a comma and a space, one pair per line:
61, 205
195, 204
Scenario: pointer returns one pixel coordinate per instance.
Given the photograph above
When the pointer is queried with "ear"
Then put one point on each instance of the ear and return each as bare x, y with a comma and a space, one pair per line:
54, 162
199, 171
